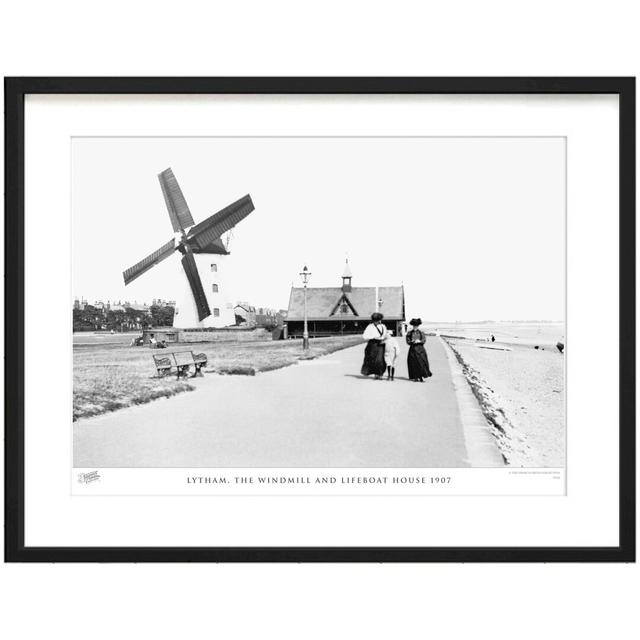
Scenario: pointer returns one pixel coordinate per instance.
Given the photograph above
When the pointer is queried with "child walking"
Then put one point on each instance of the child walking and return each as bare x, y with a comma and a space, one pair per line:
391, 353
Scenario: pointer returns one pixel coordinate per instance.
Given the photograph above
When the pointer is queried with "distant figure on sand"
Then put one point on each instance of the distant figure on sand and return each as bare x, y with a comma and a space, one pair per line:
560, 346
374, 334
417, 360
391, 353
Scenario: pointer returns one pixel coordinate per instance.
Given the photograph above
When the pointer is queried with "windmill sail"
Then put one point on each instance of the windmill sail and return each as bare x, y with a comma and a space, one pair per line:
214, 226
190, 268
151, 260
204, 238
217, 247
176, 204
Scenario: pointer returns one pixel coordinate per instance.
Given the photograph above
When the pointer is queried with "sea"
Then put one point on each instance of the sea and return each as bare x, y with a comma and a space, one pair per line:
525, 333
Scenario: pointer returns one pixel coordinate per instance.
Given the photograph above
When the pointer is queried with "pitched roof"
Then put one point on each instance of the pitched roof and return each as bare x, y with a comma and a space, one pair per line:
321, 302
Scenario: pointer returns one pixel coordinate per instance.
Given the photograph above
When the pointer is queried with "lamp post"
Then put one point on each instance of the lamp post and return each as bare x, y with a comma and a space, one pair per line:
305, 274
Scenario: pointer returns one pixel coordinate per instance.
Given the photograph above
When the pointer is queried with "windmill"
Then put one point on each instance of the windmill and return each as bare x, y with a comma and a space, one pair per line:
192, 240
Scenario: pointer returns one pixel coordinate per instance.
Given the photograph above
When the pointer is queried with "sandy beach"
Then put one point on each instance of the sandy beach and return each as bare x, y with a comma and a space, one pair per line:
520, 388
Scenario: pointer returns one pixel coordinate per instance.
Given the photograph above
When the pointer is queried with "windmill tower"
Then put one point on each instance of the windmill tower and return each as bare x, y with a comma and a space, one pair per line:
204, 300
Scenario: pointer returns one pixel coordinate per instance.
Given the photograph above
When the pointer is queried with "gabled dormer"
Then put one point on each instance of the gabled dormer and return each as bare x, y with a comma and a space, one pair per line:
344, 306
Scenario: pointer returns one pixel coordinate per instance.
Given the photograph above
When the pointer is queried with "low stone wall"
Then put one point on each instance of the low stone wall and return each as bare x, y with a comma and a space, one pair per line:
224, 335
171, 335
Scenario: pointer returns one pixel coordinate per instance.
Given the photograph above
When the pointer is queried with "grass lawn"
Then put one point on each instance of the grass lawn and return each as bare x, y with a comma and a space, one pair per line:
110, 375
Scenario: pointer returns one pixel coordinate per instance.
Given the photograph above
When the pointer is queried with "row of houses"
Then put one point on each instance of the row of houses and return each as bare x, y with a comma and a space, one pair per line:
137, 315
250, 316
121, 316
81, 304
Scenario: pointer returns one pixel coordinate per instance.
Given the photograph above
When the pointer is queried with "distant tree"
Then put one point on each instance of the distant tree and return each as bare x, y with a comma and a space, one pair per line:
119, 319
93, 317
161, 316
269, 324
135, 319
82, 321
115, 319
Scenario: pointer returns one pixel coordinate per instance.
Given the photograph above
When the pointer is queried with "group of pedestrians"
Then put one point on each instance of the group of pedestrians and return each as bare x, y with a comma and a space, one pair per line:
382, 351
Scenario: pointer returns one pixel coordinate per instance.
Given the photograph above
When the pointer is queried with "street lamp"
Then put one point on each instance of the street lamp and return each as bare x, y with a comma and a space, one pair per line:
305, 274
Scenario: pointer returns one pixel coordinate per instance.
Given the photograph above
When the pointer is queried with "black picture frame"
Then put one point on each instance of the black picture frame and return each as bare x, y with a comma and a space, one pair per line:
15, 91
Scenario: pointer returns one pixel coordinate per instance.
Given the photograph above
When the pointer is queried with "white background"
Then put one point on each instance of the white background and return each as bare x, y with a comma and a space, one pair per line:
587, 516
465, 38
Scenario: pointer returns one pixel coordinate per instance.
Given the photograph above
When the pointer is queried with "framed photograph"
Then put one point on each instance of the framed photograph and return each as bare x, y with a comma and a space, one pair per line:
320, 319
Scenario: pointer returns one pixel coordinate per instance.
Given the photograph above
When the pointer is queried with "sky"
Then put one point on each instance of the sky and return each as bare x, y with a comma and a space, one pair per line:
474, 228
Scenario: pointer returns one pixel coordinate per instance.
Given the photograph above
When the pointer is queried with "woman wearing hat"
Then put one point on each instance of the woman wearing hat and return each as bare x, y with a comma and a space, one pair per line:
374, 334
417, 360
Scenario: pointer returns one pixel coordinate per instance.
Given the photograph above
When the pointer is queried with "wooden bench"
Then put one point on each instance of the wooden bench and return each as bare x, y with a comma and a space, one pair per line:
180, 362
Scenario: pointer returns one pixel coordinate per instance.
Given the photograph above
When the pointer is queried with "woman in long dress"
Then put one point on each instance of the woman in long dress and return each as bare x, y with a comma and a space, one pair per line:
417, 360
374, 334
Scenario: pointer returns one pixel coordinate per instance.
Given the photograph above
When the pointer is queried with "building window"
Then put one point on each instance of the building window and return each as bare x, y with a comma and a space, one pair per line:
215, 288
214, 268
216, 313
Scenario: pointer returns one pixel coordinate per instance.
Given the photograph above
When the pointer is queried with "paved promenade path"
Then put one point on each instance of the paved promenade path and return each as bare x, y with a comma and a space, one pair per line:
320, 413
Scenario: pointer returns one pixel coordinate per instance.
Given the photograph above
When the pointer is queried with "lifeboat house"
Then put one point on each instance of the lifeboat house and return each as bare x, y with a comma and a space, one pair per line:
344, 310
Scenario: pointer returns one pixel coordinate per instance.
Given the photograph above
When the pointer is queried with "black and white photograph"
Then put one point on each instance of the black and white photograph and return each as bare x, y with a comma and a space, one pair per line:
284, 303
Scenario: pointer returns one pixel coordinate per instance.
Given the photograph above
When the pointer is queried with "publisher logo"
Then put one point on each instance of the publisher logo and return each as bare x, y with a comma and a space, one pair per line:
90, 476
